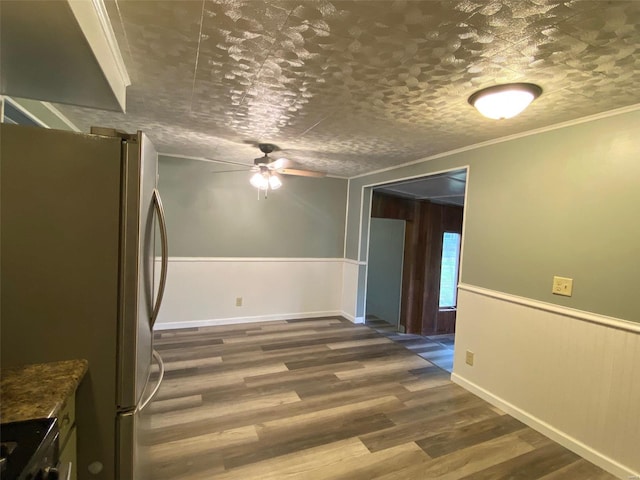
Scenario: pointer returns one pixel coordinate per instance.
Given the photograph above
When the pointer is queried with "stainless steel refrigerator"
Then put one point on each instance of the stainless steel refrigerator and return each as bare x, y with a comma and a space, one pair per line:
79, 214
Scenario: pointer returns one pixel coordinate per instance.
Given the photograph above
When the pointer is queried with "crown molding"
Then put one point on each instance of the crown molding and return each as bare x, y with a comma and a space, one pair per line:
549, 128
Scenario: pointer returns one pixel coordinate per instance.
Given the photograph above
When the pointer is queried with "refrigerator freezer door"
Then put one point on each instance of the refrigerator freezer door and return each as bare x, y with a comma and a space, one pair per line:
134, 460
132, 454
135, 336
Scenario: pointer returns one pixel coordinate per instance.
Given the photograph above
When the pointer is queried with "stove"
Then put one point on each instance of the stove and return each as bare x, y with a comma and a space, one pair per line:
29, 450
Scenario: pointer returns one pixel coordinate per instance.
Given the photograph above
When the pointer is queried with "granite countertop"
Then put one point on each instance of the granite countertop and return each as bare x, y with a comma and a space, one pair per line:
38, 390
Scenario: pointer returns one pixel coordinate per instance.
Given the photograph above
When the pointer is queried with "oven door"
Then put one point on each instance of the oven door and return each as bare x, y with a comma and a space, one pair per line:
30, 448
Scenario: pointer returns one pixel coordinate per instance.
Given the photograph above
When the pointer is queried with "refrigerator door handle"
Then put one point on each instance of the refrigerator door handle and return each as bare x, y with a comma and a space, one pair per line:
158, 358
157, 203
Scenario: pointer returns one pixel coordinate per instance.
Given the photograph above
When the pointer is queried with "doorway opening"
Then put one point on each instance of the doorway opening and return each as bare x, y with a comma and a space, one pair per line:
429, 211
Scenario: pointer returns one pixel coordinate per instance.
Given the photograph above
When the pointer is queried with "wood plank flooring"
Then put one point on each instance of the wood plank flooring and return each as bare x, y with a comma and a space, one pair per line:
326, 399
438, 349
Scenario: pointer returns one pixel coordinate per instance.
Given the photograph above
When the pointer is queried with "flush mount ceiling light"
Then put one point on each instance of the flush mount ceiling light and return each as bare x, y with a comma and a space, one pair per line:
504, 101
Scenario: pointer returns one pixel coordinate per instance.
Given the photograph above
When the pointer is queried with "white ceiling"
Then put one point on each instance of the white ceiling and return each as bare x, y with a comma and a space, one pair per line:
350, 87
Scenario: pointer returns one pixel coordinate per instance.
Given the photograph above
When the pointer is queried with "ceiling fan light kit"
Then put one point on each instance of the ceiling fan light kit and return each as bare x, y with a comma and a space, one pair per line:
265, 180
274, 181
504, 101
266, 172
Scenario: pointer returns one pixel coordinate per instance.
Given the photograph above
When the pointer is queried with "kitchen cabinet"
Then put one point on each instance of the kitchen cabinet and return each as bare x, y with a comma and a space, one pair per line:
71, 51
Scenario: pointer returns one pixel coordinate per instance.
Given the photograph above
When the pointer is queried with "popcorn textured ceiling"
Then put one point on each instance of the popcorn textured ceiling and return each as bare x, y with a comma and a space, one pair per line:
350, 87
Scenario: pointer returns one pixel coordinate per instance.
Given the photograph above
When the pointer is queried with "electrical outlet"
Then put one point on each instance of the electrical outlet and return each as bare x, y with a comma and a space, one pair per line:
562, 286
469, 358
238, 301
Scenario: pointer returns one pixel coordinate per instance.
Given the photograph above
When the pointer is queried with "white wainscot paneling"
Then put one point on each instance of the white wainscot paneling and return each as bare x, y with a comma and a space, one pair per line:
350, 290
574, 376
203, 291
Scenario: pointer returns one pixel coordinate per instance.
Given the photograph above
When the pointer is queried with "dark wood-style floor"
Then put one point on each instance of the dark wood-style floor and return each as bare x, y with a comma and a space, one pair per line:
326, 399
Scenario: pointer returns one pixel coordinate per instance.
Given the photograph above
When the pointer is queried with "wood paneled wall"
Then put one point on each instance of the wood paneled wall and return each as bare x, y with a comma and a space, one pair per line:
425, 224
388, 206
439, 219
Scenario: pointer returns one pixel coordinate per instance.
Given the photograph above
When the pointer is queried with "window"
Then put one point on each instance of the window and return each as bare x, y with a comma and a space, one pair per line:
449, 269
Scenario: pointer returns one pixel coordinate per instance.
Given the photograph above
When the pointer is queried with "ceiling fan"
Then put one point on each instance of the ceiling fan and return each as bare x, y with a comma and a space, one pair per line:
266, 171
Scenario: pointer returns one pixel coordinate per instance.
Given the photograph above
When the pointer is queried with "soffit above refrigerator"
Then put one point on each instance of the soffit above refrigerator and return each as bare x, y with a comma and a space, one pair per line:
62, 51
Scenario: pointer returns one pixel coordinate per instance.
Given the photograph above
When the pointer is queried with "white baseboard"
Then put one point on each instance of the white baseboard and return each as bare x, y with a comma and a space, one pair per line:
553, 433
351, 318
236, 320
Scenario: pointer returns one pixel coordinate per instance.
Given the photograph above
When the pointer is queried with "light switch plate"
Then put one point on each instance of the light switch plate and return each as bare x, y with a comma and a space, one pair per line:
562, 286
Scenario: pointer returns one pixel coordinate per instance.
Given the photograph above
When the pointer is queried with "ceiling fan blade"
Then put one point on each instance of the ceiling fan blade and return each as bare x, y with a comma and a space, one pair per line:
279, 164
301, 173
229, 171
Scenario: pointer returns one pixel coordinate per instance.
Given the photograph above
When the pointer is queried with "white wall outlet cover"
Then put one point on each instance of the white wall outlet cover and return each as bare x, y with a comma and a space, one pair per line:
562, 286
469, 358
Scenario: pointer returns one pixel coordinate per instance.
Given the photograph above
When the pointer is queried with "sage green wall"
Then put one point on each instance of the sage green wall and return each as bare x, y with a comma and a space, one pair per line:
213, 214
384, 272
563, 202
